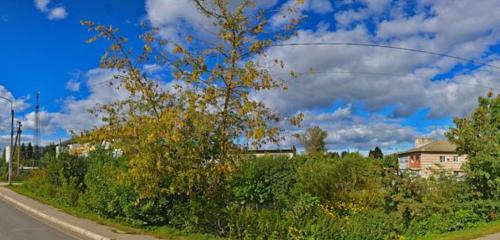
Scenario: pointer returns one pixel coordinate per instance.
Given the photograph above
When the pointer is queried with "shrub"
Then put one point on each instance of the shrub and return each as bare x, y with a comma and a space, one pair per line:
4, 168
351, 179
103, 193
320, 197
263, 182
65, 167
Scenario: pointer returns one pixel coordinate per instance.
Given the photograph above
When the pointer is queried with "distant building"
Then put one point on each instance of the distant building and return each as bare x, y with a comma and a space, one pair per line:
81, 149
289, 153
73, 148
430, 157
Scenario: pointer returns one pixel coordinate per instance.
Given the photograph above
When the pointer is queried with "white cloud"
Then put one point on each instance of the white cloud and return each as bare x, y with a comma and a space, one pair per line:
48, 125
53, 13
73, 85
345, 18
75, 116
320, 6
75, 113
372, 77
152, 68
5, 140
379, 77
42, 5
436, 132
177, 18
291, 9
57, 13
377, 6
19, 105
376, 78
170, 16
346, 130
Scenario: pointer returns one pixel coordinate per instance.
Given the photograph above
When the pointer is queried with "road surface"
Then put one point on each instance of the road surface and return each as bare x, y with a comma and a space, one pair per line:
17, 225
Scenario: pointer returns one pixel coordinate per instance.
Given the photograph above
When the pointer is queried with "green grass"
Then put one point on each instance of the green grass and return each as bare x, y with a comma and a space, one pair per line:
163, 232
466, 234
166, 232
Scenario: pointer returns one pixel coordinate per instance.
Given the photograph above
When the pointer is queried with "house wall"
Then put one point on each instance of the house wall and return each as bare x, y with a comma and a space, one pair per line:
81, 150
431, 163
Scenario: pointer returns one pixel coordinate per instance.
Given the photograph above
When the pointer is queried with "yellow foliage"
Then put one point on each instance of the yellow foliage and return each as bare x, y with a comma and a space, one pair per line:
178, 139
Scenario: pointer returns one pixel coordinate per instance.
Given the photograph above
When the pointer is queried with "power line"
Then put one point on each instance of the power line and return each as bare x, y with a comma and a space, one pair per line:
367, 45
386, 47
378, 74
312, 73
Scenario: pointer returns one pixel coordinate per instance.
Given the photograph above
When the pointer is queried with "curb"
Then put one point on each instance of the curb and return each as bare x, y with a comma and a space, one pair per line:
54, 220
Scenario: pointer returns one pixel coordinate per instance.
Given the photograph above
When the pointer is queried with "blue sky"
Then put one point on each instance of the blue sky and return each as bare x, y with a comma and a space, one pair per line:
364, 97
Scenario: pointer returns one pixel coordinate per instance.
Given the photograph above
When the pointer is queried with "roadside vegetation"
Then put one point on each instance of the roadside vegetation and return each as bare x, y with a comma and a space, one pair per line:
465, 234
182, 160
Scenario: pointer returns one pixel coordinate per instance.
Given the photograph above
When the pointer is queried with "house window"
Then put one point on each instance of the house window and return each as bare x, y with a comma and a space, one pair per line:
455, 158
442, 159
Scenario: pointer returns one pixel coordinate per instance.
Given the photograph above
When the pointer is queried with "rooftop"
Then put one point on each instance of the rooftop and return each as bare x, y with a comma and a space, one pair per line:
435, 146
271, 151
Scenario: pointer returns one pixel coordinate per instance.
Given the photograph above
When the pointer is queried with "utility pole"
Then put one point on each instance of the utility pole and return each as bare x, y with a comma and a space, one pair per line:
17, 146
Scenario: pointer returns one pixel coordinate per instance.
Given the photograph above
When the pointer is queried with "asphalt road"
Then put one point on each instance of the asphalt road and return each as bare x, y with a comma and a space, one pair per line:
17, 225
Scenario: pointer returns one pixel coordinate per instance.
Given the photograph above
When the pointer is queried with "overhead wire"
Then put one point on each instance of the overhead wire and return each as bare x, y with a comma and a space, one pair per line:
463, 59
386, 47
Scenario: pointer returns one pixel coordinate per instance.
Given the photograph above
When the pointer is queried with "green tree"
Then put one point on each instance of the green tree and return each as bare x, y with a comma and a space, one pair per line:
23, 151
313, 140
478, 136
376, 153
29, 151
352, 179
390, 161
334, 155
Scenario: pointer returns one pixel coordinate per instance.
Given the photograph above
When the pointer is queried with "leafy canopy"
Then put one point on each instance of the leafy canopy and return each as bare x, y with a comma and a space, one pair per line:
478, 136
313, 140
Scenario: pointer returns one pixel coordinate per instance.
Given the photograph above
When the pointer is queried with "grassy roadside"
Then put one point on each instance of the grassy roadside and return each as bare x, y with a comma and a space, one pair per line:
159, 232
174, 234
466, 234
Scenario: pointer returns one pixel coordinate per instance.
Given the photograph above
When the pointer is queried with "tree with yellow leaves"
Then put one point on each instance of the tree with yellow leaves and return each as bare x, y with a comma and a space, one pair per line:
182, 141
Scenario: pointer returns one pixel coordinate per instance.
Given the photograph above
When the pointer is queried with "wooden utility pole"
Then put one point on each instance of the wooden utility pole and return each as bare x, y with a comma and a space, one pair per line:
17, 146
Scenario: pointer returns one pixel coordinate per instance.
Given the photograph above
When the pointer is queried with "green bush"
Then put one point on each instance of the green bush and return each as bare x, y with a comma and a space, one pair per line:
320, 197
4, 168
351, 179
251, 223
263, 182
103, 192
65, 167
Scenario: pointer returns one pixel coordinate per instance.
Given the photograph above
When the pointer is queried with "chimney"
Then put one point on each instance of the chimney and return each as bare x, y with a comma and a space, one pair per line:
420, 141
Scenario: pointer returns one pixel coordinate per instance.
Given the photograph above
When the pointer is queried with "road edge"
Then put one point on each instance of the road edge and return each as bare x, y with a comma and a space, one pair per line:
54, 220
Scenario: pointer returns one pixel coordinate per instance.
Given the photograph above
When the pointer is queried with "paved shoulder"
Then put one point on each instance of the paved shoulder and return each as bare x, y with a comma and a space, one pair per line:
495, 236
81, 227
17, 225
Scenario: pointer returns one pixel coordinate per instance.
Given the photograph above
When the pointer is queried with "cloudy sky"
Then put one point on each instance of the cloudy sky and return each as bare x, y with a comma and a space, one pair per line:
363, 96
